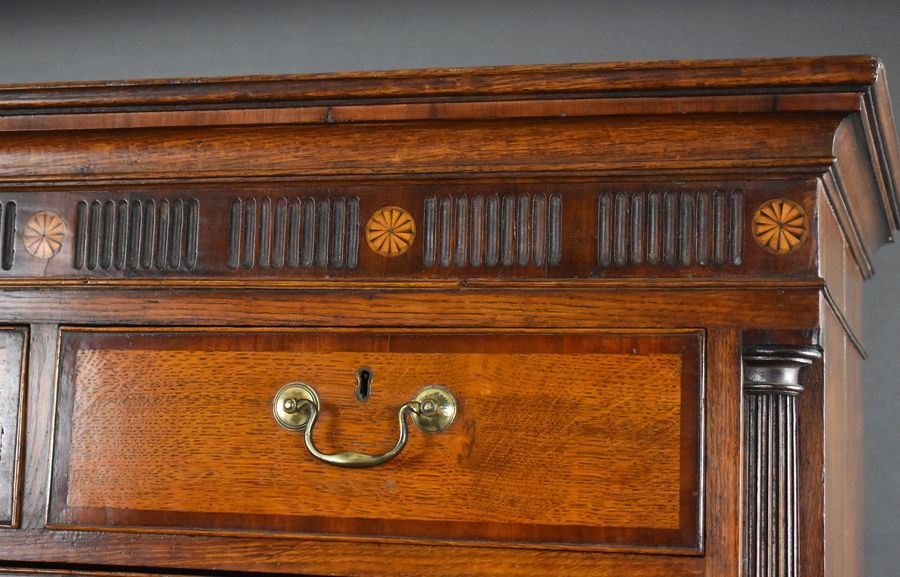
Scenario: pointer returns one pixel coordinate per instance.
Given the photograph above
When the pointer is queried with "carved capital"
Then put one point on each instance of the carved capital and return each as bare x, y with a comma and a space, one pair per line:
771, 462
776, 370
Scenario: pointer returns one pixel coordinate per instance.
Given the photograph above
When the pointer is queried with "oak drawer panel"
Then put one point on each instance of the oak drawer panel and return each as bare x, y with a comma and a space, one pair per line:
573, 437
12, 365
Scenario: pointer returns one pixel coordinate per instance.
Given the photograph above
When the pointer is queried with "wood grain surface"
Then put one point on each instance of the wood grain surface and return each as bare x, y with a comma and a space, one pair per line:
305, 231
439, 148
561, 438
776, 74
292, 557
635, 305
568, 220
13, 347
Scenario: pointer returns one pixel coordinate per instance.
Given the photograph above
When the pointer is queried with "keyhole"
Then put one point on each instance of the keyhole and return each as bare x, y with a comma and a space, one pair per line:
364, 378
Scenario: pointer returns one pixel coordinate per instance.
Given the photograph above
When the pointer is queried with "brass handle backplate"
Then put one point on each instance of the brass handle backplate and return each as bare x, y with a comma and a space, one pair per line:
296, 408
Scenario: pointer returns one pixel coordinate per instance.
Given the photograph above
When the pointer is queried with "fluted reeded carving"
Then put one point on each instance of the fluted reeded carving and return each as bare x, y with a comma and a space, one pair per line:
677, 229
7, 234
492, 230
292, 232
771, 462
131, 234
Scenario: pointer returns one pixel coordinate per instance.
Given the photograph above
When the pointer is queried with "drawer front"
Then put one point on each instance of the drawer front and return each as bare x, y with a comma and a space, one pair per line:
12, 364
572, 438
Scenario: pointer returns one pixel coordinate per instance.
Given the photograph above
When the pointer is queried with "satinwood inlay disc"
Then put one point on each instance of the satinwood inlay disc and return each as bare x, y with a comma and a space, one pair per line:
390, 231
780, 226
44, 234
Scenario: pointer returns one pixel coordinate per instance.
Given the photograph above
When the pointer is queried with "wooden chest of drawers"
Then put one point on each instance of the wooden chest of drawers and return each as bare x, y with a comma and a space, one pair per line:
561, 320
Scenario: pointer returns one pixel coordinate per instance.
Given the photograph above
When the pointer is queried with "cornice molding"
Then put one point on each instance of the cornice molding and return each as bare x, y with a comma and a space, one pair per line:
806, 74
785, 118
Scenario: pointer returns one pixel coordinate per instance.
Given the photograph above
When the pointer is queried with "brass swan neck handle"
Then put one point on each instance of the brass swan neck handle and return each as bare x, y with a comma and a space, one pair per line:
296, 408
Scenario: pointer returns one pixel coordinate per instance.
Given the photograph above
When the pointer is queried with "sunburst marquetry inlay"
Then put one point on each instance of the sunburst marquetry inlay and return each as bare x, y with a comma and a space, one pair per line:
44, 234
390, 231
780, 226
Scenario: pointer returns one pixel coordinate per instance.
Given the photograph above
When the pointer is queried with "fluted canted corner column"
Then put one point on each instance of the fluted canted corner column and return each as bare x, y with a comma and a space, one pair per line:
771, 513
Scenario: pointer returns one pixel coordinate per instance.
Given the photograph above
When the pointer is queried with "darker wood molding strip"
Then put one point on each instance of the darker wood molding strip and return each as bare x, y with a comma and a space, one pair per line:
878, 120
848, 330
837, 199
537, 284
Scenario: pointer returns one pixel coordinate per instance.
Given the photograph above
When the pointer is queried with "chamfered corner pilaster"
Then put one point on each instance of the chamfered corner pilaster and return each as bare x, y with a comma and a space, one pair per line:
771, 383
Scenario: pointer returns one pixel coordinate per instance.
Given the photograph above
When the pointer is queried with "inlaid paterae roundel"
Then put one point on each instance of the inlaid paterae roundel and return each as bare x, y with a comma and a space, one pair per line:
780, 226
390, 231
44, 234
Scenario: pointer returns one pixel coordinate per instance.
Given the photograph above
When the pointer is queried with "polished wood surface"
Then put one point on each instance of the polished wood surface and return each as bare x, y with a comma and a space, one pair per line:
511, 230
445, 148
12, 383
599, 432
776, 74
590, 246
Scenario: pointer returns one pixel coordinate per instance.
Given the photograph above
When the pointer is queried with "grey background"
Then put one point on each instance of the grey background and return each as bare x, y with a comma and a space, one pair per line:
52, 41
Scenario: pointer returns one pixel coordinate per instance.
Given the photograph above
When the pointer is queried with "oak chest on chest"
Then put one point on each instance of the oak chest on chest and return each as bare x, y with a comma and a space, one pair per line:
553, 320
